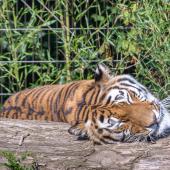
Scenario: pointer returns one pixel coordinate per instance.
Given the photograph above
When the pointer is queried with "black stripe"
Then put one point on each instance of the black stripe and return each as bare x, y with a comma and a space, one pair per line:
103, 141
107, 109
85, 112
97, 95
10, 108
58, 97
39, 98
31, 92
102, 97
51, 101
108, 100
83, 102
17, 97
82, 112
114, 87
125, 79
117, 87
79, 108
46, 90
57, 106
39, 113
133, 82
68, 90
87, 117
36, 95
128, 98
49, 98
128, 85
86, 94
90, 101
26, 97
75, 88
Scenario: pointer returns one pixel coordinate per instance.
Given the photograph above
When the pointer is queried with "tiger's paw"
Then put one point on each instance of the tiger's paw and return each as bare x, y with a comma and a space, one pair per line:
79, 130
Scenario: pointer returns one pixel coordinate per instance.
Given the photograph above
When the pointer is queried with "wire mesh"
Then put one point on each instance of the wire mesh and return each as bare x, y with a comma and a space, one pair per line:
45, 42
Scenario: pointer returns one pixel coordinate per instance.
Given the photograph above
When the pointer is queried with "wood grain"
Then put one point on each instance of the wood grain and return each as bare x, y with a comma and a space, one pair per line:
53, 148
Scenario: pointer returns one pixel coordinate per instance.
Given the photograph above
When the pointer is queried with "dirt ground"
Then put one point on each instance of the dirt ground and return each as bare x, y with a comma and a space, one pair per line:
52, 148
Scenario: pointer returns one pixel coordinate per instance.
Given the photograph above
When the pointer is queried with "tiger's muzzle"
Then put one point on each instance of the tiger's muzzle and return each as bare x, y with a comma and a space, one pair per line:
145, 131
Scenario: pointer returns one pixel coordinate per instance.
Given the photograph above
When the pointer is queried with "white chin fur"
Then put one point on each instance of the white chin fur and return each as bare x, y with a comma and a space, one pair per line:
164, 122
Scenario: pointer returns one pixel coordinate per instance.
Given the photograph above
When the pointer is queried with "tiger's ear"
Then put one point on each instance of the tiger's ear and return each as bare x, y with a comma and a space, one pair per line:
102, 74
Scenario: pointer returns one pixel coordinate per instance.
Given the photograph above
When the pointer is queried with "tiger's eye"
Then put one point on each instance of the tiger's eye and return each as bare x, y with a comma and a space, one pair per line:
119, 97
113, 121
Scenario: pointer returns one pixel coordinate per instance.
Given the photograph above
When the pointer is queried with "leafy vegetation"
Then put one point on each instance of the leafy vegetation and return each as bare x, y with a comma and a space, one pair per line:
15, 163
70, 37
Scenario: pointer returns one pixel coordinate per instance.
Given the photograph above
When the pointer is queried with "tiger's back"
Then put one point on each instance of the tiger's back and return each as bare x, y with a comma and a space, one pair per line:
51, 102
29, 104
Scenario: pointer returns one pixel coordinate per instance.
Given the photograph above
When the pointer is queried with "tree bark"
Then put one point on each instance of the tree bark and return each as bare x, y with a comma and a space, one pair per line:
52, 147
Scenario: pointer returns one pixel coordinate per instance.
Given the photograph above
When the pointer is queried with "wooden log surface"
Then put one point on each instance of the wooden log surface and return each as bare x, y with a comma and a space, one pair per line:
54, 148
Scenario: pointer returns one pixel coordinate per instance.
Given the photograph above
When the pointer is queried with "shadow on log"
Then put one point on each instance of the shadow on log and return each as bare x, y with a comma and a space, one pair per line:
53, 148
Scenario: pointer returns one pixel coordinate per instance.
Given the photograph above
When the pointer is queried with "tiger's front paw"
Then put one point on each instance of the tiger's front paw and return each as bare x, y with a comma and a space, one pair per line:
78, 129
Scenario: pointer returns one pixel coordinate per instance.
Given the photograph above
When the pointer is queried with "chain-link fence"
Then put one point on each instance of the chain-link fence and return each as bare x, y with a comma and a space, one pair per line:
48, 42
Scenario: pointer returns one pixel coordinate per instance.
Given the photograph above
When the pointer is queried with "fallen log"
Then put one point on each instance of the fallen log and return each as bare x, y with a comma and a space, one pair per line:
52, 147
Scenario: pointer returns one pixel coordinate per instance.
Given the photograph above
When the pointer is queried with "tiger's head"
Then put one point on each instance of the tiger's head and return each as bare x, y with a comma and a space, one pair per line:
147, 112
119, 122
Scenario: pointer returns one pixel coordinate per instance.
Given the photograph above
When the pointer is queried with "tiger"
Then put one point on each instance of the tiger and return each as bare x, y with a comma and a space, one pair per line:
70, 103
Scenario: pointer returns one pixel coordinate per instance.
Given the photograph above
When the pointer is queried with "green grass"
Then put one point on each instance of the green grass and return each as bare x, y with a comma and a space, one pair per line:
14, 162
139, 34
